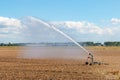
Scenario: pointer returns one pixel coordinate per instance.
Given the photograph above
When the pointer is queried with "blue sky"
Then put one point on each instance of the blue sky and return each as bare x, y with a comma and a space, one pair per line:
102, 15
60, 10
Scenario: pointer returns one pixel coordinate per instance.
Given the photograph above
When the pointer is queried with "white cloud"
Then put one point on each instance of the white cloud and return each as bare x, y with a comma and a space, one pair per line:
84, 27
10, 22
10, 26
115, 20
3, 35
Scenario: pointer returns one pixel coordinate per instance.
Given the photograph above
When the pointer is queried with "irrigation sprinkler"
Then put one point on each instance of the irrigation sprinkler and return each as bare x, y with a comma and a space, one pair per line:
90, 60
90, 57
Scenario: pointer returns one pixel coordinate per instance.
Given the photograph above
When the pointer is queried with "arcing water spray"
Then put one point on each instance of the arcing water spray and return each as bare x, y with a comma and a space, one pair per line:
68, 37
62, 33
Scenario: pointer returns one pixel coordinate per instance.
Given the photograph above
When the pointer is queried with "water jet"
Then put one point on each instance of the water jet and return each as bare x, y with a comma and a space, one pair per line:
52, 27
68, 37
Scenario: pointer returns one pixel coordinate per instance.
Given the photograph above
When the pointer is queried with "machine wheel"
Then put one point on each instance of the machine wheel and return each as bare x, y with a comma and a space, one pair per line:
90, 64
99, 63
86, 63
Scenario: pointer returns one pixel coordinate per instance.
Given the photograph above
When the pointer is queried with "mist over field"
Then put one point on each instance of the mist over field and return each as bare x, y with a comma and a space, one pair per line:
52, 52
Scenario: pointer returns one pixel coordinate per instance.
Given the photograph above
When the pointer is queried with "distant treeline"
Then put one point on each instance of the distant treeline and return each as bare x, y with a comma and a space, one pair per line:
63, 44
12, 44
100, 44
112, 43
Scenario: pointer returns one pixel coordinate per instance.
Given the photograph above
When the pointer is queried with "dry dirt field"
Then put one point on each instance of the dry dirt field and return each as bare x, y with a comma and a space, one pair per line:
13, 68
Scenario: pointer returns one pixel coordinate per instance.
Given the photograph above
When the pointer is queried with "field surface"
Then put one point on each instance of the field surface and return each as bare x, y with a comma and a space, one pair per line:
14, 68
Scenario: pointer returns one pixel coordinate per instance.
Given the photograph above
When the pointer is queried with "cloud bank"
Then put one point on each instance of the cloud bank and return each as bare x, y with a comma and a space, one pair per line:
31, 29
115, 21
85, 27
